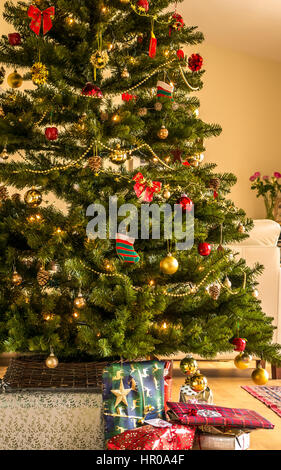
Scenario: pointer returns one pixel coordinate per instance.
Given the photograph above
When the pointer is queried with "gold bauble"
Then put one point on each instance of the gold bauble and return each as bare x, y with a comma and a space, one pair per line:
79, 302
16, 279
198, 382
39, 73
125, 73
52, 361
33, 198
163, 133
188, 366
227, 283
242, 361
99, 59
118, 157
14, 80
166, 194
4, 154
169, 265
260, 376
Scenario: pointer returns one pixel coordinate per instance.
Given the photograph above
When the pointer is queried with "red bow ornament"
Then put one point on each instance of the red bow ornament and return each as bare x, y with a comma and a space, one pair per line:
36, 15
145, 190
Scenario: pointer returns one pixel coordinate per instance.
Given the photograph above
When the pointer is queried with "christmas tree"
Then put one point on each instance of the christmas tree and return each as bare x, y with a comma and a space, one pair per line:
115, 82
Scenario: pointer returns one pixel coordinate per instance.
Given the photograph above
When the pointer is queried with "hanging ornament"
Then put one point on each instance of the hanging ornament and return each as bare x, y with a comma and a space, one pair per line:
255, 293
16, 278
163, 133
169, 264
52, 361
215, 183
37, 16
92, 90
142, 112
54, 268
128, 97
4, 154
143, 6
180, 54
14, 80
204, 249
14, 39
158, 106
164, 89
95, 163
214, 291
242, 361
198, 382
176, 24
195, 62
108, 265
39, 73
144, 189
99, 59
118, 156
260, 376
227, 283
188, 365
152, 45
79, 302
43, 277
51, 133
166, 192
186, 203
239, 343
33, 198
125, 73
241, 228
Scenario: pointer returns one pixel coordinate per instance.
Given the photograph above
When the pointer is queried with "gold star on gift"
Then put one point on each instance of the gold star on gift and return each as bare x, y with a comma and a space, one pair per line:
121, 394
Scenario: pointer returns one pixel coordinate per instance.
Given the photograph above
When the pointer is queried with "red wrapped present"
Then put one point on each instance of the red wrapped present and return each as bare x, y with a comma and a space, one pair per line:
199, 415
171, 437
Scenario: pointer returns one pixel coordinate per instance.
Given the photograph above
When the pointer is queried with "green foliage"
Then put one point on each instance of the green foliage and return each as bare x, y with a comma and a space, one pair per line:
125, 316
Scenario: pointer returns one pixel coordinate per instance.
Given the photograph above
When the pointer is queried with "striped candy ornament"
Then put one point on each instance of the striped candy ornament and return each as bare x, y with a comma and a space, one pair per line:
125, 248
164, 89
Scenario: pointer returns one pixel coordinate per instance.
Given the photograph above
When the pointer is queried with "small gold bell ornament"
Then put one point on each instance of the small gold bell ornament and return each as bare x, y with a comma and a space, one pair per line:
198, 382
52, 361
188, 365
260, 376
242, 361
79, 302
169, 265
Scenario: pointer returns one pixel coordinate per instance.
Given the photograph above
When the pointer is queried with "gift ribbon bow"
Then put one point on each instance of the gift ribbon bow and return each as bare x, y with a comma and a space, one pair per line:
144, 188
36, 15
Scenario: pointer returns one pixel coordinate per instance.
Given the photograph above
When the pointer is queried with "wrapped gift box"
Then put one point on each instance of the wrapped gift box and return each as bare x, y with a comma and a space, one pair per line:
187, 395
171, 437
233, 439
133, 392
199, 414
51, 421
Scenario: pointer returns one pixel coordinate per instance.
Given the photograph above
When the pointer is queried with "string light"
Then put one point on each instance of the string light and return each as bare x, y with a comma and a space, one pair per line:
76, 315
164, 325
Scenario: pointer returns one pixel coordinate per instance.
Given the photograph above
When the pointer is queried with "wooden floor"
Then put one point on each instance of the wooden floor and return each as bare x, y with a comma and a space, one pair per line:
225, 382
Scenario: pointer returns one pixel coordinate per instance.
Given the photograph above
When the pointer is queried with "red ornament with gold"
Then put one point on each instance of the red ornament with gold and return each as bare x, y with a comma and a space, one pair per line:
92, 90
143, 5
186, 203
51, 133
239, 343
195, 62
14, 39
204, 249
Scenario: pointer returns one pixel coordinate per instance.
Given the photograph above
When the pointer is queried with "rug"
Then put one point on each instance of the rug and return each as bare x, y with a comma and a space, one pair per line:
271, 396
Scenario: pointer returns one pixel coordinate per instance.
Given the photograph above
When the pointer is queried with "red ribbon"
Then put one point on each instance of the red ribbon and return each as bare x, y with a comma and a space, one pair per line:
143, 190
36, 15
128, 97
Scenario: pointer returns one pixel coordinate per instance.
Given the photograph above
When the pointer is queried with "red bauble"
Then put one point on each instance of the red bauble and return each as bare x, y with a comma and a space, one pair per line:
239, 343
180, 54
51, 133
204, 249
143, 4
195, 62
186, 203
186, 163
92, 90
14, 39
177, 23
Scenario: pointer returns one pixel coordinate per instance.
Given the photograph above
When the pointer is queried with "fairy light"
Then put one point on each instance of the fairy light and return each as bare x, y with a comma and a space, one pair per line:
48, 316
58, 231
75, 315
196, 112
151, 283
164, 325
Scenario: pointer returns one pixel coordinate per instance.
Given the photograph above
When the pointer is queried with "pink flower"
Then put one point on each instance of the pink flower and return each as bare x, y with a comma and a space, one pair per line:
265, 177
277, 174
257, 174
252, 178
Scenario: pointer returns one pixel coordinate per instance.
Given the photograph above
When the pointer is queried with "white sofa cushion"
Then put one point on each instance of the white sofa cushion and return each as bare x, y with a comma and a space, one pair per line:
265, 233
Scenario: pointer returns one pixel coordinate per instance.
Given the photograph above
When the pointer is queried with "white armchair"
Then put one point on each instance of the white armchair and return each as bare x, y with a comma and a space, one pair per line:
261, 247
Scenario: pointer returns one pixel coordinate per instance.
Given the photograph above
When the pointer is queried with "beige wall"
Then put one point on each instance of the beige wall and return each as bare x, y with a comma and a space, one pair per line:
243, 94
